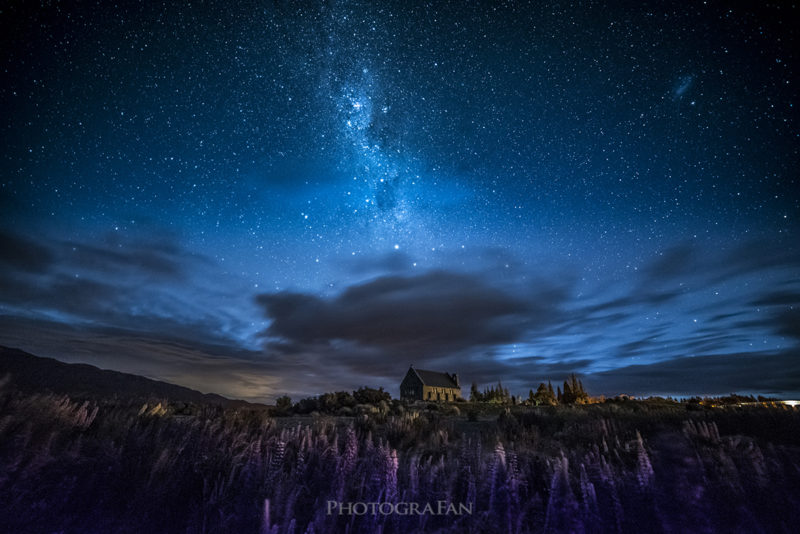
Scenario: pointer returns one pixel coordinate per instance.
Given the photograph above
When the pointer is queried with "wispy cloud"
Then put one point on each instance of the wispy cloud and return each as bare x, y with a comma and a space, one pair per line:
152, 308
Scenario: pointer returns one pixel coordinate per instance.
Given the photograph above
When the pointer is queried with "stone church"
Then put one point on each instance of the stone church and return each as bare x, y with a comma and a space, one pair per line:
430, 386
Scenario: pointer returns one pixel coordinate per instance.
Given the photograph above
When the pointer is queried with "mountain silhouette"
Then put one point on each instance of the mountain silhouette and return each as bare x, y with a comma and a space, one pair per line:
32, 374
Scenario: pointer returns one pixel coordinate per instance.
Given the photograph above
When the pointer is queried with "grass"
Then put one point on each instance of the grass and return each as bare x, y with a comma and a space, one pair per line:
69, 465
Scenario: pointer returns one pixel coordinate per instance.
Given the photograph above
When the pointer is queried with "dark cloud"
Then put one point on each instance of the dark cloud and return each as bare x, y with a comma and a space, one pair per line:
685, 283
434, 311
676, 261
536, 369
769, 373
756, 256
784, 311
76, 296
637, 347
393, 262
20, 253
132, 284
463, 323
135, 305
686, 262
787, 298
502, 321
157, 259
725, 317
649, 296
787, 323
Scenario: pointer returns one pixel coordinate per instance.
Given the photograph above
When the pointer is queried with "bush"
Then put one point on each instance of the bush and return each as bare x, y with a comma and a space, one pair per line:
283, 405
450, 409
365, 395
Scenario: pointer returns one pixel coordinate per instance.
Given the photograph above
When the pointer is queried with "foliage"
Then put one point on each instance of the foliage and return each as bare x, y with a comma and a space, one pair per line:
283, 404
544, 396
343, 402
474, 393
494, 395
573, 392
365, 395
68, 465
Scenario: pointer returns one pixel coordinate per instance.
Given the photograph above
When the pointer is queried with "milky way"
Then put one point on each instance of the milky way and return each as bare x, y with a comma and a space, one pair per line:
268, 199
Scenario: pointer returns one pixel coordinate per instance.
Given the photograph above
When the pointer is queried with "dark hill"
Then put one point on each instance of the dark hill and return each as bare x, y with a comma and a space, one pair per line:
31, 373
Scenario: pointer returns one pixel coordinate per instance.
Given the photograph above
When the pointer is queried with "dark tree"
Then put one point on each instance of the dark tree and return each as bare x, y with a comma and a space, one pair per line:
474, 394
283, 404
307, 405
574, 392
544, 396
365, 395
567, 396
498, 395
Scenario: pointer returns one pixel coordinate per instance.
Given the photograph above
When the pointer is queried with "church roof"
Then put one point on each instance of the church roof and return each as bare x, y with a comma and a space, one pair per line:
435, 379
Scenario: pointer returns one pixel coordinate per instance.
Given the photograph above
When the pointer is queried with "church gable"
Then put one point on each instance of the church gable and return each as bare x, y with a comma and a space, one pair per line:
419, 384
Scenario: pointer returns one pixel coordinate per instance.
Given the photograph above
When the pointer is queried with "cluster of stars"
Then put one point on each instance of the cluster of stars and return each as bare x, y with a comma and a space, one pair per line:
300, 146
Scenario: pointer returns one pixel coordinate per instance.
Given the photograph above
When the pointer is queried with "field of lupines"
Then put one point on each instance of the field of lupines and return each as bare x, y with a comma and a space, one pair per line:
87, 466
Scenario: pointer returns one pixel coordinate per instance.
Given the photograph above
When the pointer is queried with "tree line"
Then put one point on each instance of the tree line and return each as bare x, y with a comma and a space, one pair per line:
573, 393
338, 402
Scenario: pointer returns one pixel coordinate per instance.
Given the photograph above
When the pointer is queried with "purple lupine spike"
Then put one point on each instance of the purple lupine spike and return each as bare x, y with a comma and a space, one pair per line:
561, 514
265, 519
644, 469
413, 475
390, 474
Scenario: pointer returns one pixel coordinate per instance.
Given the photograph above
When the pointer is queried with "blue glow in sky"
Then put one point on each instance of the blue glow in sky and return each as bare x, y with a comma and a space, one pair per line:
267, 199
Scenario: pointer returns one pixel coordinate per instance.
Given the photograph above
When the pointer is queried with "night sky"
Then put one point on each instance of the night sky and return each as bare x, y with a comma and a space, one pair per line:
259, 198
